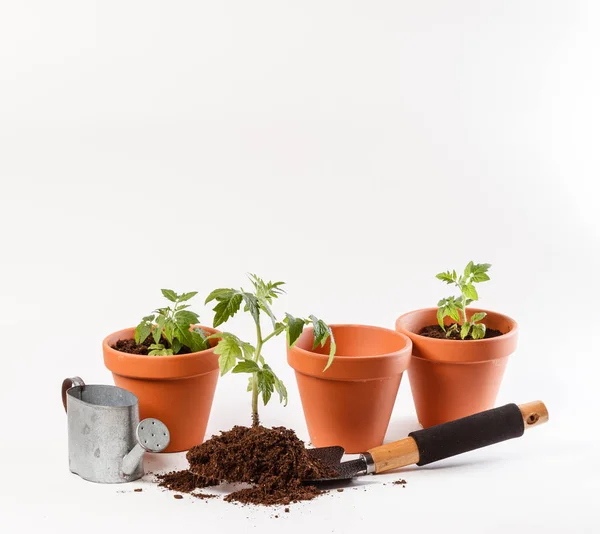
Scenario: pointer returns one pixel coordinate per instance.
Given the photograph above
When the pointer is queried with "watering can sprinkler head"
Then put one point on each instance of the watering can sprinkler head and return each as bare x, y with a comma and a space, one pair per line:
152, 436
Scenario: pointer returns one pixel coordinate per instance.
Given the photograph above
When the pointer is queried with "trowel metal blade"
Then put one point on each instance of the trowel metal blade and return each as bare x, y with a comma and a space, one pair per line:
332, 456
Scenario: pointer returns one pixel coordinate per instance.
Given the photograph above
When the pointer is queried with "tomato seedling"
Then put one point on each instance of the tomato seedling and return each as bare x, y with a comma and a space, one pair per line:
239, 356
452, 307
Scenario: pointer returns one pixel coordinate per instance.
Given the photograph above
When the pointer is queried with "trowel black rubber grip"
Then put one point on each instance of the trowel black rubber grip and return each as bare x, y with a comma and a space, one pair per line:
469, 433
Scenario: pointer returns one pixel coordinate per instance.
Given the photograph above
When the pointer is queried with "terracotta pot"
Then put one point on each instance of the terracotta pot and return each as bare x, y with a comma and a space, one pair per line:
450, 379
178, 389
351, 403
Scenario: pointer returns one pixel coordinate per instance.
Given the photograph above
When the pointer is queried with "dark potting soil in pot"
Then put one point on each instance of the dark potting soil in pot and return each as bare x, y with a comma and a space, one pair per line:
435, 331
273, 460
130, 346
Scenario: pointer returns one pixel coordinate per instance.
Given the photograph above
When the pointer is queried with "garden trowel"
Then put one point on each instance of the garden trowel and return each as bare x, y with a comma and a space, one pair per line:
429, 445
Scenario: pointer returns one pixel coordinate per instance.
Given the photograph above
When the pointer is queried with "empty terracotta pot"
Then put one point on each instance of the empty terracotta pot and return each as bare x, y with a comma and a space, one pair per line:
178, 390
450, 379
351, 403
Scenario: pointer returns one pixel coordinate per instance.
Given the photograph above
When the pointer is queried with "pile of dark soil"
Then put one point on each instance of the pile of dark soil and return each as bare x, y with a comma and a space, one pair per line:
273, 460
130, 346
435, 331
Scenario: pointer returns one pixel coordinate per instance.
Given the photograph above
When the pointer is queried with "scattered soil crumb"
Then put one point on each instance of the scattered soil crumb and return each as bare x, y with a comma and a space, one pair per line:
340, 490
178, 496
204, 496
273, 460
286, 510
400, 481
138, 490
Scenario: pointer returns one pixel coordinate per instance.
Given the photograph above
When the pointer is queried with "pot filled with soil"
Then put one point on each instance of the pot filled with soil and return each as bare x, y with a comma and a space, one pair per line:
459, 353
168, 363
350, 403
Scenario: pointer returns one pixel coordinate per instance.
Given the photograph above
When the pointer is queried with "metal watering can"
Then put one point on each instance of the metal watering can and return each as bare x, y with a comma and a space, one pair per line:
107, 441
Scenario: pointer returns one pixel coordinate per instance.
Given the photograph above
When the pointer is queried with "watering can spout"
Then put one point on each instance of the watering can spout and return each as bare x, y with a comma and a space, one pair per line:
152, 436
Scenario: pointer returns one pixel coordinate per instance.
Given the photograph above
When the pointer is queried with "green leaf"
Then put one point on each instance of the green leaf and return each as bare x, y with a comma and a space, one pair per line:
158, 329
198, 340
221, 293
230, 349
464, 330
176, 346
142, 331
451, 310
451, 329
479, 272
441, 313
263, 304
468, 269
246, 366
169, 294
322, 332
281, 390
478, 331
228, 305
294, 327
446, 277
481, 267
157, 349
187, 296
251, 305
266, 383
169, 331
229, 302
477, 316
182, 332
186, 318
228, 355
250, 383
332, 349
266, 290
470, 292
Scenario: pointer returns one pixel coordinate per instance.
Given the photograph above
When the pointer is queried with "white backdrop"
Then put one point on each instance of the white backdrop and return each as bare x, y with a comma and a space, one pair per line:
351, 149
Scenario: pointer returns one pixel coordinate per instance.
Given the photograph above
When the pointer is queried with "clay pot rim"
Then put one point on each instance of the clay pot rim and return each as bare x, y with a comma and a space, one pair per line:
457, 362
404, 351
511, 333
128, 333
353, 368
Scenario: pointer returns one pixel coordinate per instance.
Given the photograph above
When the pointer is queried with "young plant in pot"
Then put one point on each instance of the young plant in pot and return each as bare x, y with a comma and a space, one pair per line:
459, 353
273, 460
169, 363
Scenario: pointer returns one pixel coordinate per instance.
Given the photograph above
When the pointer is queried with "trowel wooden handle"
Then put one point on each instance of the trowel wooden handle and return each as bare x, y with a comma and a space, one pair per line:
467, 434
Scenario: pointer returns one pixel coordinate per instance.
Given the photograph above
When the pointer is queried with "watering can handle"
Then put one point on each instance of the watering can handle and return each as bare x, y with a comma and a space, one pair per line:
67, 384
